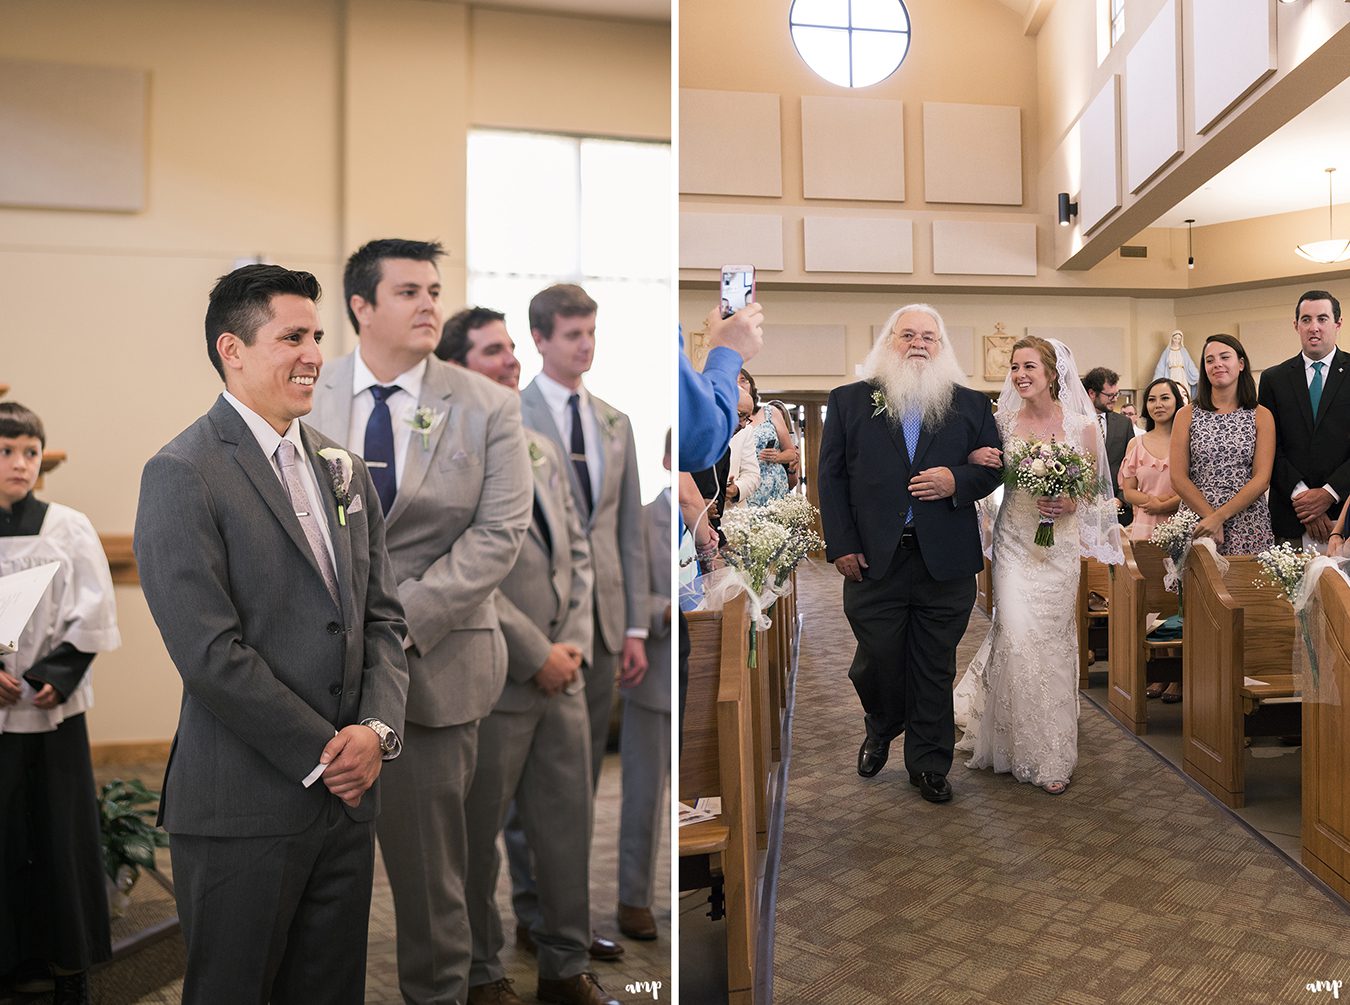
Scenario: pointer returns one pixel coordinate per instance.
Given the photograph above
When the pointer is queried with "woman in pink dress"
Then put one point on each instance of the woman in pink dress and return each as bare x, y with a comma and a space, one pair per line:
1146, 481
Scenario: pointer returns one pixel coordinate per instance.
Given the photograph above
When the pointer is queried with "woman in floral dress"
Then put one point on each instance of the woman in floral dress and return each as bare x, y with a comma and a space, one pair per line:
1223, 449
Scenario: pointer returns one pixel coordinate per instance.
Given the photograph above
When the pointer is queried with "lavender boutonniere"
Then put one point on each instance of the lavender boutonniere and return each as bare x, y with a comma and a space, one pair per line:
339, 464
424, 420
883, 407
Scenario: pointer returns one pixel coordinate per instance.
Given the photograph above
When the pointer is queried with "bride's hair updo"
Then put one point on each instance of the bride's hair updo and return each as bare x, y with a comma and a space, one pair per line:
1047, 352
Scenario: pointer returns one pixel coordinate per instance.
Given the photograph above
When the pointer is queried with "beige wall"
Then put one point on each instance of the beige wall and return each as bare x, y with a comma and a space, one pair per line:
292, 130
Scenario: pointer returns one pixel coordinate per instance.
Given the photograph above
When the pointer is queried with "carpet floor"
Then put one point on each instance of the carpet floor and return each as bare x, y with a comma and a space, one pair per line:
1132, 887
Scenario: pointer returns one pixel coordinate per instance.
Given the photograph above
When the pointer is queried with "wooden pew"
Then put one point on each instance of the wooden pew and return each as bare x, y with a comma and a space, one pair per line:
1234, 629
1326, 747
1092, 577
984, 588
717, 759
776, 633
1136, 591
762, 712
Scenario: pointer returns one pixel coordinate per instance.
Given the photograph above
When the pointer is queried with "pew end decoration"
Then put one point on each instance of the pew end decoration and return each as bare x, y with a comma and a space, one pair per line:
1318, 648
1175, 536
1053, 468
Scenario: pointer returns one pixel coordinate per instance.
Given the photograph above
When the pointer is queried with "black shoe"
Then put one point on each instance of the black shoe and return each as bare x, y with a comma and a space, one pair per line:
932, 786
71, 989
872, 756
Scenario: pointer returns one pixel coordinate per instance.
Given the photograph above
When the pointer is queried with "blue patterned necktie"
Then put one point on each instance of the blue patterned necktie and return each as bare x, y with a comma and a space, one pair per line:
910, 425
1315, 388
379, 452
578, 453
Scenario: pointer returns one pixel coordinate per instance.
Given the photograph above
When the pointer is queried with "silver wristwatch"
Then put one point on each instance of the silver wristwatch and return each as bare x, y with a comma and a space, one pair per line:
389, 741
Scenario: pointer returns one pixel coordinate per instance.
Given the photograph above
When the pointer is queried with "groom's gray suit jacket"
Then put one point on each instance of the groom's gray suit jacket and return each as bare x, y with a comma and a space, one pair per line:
271, 666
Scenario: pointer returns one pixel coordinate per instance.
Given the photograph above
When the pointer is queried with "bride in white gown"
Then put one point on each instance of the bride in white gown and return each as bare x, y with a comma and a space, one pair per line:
1018, 702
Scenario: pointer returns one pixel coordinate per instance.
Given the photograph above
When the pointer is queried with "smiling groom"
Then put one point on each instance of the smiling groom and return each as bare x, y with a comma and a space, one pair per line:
276, 603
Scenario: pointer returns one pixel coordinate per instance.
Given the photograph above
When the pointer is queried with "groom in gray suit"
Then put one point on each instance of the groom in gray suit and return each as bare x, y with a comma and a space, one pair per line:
448, 461
535, 746
265, 569
597, 441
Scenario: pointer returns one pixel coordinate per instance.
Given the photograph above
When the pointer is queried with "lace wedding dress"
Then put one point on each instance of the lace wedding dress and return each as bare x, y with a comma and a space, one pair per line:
1018, 702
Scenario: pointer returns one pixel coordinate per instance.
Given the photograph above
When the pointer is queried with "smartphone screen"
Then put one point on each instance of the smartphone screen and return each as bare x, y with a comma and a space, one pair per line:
738, 288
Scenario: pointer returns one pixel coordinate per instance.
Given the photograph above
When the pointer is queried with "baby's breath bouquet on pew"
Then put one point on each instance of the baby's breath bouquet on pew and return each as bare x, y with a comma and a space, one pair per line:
1053, 468
1283, 566
1174, 536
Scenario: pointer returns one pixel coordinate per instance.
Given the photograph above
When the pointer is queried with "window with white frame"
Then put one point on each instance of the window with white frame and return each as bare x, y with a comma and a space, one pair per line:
1116, 15
545, 209
852, 43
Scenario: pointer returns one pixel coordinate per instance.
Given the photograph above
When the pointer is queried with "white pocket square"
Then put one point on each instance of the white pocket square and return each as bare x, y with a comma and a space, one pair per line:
355, 506
459, 455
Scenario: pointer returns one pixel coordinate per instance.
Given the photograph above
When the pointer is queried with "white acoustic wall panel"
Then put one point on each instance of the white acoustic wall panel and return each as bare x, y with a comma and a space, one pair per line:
730, 143
712, 240
1099, 152
853, 148
1153, 99
72, 137
961, 338
972, 153
858, 244
1091, 347
1267, 342
1233, 50
977, 248
802, 350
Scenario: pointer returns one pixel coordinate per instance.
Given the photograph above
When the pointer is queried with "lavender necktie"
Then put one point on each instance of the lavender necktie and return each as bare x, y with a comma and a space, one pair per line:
309, 522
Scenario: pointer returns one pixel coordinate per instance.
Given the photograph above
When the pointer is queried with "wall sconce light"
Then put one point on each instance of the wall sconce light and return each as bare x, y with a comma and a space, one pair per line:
1333, 249
1067, 210
1190, 246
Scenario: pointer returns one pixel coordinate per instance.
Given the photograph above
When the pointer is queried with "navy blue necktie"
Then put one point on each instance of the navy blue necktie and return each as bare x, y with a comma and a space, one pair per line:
579, 455
380, 446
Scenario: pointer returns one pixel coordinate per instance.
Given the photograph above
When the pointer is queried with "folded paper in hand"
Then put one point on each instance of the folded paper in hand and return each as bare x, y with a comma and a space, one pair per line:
19, 595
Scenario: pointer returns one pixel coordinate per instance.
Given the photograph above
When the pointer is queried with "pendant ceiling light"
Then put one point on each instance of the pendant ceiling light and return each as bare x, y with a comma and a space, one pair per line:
1333, 249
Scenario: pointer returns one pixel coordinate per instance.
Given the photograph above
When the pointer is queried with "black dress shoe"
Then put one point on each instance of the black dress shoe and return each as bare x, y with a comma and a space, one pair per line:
932, 786
872, 756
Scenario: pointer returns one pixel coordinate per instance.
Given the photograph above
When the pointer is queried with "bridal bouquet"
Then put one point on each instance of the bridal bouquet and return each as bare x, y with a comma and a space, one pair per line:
1051, 469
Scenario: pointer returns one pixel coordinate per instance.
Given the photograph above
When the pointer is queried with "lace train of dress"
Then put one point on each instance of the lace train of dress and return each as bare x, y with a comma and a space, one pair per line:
1018, 702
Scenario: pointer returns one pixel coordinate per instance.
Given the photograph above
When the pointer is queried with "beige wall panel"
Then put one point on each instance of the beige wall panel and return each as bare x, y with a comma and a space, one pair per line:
858, 244
853, 148
526, 74
1091, 347
1153, 99
801, 349
711, 240
1099, 132
1232, 50
1268, 341
976, 248
73, 136
730, 143
972, 153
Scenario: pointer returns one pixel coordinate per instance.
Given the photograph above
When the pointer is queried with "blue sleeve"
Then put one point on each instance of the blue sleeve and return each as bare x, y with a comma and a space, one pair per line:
707, 407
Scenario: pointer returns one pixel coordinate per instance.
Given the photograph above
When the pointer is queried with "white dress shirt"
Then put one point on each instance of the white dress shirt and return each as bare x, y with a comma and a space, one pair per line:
402, 407
269, 439
1308, 374
555, 397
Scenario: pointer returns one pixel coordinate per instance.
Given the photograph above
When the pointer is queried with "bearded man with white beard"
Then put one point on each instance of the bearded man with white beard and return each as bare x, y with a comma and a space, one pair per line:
897, 502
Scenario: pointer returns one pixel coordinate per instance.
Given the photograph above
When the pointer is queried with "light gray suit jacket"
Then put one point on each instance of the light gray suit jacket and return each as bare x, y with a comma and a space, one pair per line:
547, 596
455, 528
271, 666
618, 548
654, 690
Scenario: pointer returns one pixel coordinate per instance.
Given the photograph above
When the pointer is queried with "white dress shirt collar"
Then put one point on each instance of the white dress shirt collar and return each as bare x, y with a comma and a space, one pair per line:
268, 438
556, 395
409, 381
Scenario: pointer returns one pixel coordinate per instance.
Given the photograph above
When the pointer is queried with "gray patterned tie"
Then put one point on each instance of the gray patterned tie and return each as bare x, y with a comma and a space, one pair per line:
308, 521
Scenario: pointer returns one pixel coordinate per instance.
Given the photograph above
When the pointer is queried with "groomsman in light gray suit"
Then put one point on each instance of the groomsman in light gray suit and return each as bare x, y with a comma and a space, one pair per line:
597, 441
264, 566
448, 461
535, 746
645, 742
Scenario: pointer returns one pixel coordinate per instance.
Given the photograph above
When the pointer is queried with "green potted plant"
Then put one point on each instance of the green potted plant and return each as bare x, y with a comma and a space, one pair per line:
130, 837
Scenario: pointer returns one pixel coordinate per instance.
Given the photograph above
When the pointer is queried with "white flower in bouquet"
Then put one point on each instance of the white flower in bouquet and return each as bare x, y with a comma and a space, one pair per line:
1175, 533
755, 543
1283, 566
793, 511
1052, 468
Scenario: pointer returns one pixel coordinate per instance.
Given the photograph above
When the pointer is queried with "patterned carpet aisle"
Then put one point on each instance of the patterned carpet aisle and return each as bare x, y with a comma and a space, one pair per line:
1130, 888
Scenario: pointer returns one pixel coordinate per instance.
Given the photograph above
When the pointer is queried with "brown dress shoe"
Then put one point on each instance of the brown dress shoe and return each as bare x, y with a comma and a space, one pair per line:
496, 993
604, 949
583, 989
637, 923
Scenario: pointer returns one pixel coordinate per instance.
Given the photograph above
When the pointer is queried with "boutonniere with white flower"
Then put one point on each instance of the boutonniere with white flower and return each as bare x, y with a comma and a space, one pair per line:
339, 464
536, 455
883, 407
424, 420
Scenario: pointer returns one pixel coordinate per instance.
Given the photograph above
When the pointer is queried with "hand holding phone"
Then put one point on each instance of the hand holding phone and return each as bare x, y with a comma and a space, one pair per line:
738, 288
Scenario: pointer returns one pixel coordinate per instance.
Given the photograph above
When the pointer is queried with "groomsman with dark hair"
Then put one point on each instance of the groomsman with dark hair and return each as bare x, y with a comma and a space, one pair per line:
446, 453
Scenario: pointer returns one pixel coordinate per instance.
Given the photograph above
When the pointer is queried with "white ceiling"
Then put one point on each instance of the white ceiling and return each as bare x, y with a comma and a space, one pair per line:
632, 10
